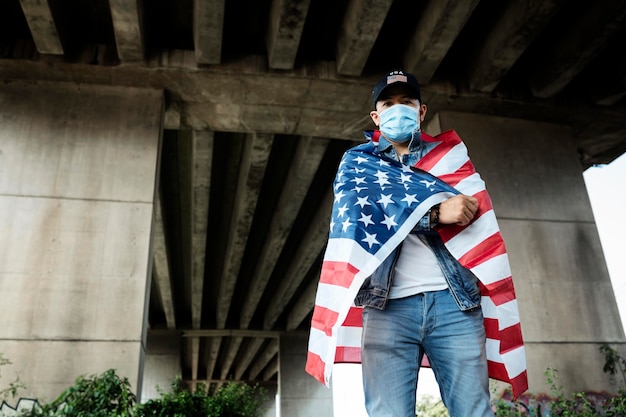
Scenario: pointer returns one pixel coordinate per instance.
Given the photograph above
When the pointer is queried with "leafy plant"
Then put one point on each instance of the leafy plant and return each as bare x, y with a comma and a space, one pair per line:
577, 405
237, 400
429, 407
613, 362
102, 395
231, 400
13, 387
177, 403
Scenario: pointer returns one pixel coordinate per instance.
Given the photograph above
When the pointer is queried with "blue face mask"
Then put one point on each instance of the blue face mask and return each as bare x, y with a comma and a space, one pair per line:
400, 122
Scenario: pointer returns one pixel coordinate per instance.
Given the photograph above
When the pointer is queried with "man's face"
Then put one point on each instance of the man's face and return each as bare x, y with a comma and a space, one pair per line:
396, 94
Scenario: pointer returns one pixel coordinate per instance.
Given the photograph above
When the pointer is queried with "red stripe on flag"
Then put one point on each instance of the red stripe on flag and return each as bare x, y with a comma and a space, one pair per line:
338, 273
324, 319
500, 292
485, 250
345, 354
519, 384
449, 231
509, 337
354, 317
497, 370
460, 174
491, 328
449, 140
376, 137
315, 366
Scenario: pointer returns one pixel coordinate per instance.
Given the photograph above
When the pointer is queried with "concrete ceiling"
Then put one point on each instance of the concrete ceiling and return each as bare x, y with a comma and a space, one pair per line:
263, 96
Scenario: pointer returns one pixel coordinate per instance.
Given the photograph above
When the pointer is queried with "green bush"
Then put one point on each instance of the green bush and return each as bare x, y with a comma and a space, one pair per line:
12, 387
576, 405
107, 395
177, 403
431, 407
103, 395
231, 400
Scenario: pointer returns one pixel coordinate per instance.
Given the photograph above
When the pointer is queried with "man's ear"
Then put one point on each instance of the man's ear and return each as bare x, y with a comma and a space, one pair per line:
375, 117
423, 110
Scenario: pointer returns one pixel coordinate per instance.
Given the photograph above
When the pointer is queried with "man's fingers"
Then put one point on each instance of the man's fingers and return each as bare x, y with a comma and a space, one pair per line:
459, 209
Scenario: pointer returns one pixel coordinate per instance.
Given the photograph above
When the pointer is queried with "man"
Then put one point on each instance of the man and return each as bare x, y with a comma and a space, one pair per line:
412, 232
433, 303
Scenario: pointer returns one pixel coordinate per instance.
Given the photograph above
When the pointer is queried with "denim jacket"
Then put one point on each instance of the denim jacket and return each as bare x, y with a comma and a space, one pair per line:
462, 283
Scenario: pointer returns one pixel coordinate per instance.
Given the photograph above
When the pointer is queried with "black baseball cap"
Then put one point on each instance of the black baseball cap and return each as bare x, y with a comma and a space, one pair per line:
396, 77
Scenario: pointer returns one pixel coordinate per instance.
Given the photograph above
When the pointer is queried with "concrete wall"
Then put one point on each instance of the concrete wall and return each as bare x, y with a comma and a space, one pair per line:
162, 365
566, 301
78, 167
300, 394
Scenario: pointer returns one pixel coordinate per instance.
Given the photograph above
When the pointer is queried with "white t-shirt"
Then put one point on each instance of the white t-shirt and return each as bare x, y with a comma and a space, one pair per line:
417, 270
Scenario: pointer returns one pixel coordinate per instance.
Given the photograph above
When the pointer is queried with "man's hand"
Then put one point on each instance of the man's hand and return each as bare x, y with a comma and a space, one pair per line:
459, 210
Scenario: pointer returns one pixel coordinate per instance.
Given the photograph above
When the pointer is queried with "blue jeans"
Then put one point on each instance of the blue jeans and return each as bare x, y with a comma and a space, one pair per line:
395, 340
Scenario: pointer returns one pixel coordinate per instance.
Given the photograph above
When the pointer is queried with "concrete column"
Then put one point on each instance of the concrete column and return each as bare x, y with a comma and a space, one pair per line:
565, 297
271, 403
162, 364
300, 394
78, 168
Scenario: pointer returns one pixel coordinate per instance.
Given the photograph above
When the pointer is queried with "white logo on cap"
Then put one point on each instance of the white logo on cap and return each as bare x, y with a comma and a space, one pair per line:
396, 78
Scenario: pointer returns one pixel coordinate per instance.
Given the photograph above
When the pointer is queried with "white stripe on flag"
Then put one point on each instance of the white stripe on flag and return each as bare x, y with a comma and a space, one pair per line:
515, 361
330, 296
493, 270
508, 314
349, 336
318, 343
493, 350
488, 307
453, 160
471, 185
337, 249
480, 230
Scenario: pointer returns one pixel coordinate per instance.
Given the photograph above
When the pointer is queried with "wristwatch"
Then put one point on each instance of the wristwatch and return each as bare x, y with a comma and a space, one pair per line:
434, 215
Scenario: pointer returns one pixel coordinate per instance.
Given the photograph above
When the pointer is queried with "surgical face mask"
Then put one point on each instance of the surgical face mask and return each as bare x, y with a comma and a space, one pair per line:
400, 122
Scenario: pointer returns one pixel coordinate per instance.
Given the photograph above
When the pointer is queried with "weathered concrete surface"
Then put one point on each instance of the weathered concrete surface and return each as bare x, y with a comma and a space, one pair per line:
565, 298
78, 168
300, 395
162, 364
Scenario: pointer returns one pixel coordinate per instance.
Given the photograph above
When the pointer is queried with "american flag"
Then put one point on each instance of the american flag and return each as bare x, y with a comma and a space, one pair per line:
377, 202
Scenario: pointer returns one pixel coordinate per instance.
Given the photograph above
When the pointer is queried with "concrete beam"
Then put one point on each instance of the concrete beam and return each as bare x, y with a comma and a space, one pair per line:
42, 26
256, 153
303, 167
242, 97
516, 29
202, 154
284, 31
128, 28
611, 88
360, 28
161, 268
437, 29
313, 243
208, 23
213, 353
184, 175
577, 41
248, 355
271, 369
305, 303
234, 343
269, 353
